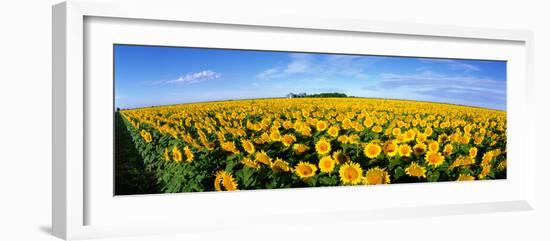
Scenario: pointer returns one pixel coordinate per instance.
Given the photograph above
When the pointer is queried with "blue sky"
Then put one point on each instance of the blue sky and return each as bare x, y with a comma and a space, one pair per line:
150, 75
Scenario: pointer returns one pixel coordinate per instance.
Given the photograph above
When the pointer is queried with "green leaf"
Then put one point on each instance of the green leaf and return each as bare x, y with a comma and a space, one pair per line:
312, 181
246, 175
328, 180
399, 172
230, 165
396, 161
433, 177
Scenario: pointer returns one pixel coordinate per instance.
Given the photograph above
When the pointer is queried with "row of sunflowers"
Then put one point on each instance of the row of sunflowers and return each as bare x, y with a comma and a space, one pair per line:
308, 142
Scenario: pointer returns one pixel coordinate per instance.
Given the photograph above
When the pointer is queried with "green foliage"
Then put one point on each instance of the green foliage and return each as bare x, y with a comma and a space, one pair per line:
398, 172
327, 95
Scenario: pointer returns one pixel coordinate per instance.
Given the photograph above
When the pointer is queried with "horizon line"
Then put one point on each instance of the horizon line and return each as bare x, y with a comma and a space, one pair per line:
261, 98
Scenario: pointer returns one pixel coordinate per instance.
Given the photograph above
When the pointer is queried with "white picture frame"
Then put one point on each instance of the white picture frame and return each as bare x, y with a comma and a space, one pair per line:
73, 185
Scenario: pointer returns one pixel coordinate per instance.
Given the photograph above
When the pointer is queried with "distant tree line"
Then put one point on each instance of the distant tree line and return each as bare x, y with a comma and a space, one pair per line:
320, 95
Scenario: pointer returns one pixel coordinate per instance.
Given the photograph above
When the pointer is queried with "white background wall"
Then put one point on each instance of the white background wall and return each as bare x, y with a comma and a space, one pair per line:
25, 118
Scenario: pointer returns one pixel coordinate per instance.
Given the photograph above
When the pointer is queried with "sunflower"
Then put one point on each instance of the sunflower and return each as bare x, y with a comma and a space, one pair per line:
354, 139
428, 131
396, 131
358, 127
146, 136
166, 154
487, 157
462, 161
465, 139
486, 168
501, 166
410, 135
433, 146
472, 152
468, 161
419, 149
326, 164
346, 124
344, 139
209, 145
250, 163
442, 138
305, 131
279, 165
465, 177
188, 154
454, 137
287, 124
288, 139
176, 154
340, 157
248, 146
400, 138
275, 135
322, 146
447, 149
478, 139
421, 137
265, 137
218, 180
321, 125
405, 150
415, 170
263, 158
299, 148
333, 131
434, 158
226, 180
229, 146
368, 122
259, 140
305, 170
350, 173
376, 175
377, 129
390, 148
372, 150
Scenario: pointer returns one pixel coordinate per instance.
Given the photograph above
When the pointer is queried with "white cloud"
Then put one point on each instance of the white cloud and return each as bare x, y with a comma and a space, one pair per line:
191, 78
196, 77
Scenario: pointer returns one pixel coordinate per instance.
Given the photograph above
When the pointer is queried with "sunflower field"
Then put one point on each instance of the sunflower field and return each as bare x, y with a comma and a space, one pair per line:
309, 142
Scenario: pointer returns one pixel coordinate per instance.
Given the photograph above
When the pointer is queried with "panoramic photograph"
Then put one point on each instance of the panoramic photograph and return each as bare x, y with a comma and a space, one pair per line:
190, 119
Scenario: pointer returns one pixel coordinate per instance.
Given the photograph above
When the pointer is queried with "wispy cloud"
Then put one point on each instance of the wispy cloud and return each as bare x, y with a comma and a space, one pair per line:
269, 73
314, 65
459, 89
429, 79
452, 64
192, 78
300, 63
